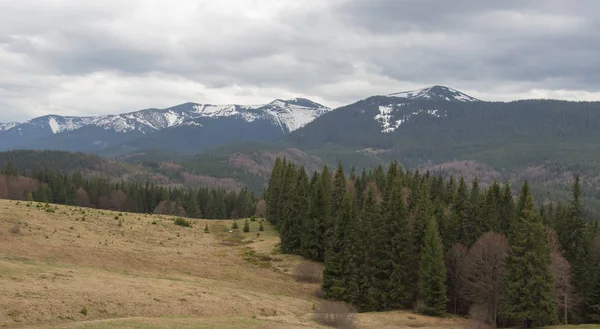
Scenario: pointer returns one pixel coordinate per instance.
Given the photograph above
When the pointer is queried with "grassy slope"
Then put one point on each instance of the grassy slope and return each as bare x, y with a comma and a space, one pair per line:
145, 275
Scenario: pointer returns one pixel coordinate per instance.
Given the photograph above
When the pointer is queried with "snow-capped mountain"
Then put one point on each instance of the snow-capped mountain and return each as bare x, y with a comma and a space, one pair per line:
394, 112
53, 131
289, 115
438, 93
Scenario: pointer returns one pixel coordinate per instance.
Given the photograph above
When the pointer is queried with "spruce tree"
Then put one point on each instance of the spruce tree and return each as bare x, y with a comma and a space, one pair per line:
352, 256
528, 283
577, 243
382, 251
261, 227
206, 230
246, 226
339, 190
368, 295
508, 211
432, 273
320, 214
400, 290
274, 190
461, 212
312, 225
288, 224
292, 228
334, 281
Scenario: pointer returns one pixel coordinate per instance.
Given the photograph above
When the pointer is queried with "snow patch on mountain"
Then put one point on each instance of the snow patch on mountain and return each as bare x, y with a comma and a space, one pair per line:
385, 119
439, 93
8, 125
390, 119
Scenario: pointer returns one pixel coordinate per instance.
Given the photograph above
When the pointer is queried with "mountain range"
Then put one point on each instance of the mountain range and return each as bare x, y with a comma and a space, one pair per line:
205, 125
435, 128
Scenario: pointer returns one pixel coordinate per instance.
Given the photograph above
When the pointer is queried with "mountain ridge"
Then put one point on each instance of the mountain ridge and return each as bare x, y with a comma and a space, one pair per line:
436, 92
95, 133
172, 116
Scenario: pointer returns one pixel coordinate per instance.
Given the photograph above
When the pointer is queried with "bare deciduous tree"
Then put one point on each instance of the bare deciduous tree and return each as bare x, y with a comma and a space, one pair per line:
261, 209
483, 273
563, 288
83, 198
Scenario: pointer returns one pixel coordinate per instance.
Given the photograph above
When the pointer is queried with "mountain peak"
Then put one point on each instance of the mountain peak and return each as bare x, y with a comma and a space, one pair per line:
439, 93
303, 102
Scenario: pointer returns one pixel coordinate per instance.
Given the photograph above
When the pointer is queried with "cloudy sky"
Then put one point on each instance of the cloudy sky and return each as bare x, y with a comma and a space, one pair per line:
75, 57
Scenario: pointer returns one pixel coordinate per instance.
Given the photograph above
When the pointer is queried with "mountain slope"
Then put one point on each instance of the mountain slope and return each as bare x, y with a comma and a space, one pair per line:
93, 134
417, 131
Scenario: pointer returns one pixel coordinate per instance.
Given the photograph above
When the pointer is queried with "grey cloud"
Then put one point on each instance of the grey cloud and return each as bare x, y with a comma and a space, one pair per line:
340, 50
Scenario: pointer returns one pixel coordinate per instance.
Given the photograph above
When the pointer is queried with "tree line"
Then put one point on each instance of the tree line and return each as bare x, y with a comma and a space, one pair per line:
393, 239
49, 186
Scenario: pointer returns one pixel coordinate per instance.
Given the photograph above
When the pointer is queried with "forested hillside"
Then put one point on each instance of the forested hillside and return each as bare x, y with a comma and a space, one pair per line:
404, 239
48, 186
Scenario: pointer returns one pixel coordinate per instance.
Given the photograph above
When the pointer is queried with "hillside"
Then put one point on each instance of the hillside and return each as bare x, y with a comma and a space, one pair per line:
143, 275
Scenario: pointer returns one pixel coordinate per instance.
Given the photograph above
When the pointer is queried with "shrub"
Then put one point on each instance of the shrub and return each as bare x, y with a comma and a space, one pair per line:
183, 222
253, 218
335, 314
260, 227
308, 272
15, 229
234, 226
246, 226
84, 311
206, 230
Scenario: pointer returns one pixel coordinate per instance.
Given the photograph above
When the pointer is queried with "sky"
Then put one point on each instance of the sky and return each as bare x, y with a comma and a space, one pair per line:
73, 57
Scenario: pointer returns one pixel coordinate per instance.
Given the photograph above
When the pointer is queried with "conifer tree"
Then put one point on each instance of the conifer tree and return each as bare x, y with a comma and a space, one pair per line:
334, 281
352, 256
367, 298
489, 221
261, 227
321, 212
382, 250
339, 190
461, 211
292, 228
206, 230
246, 226
312, 225
401, 291
528, 282
288, 220
474, 215
432, 273
577, 243
508, 211
274, 191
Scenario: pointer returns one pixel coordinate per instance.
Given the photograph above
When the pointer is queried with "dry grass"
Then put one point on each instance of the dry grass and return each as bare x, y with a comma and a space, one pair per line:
144, 275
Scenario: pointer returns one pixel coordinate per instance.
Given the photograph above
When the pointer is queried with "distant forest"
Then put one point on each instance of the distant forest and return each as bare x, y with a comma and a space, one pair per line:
400, 239
48, 186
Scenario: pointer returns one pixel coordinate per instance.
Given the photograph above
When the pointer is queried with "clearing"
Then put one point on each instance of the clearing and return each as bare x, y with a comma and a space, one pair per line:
71, 267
